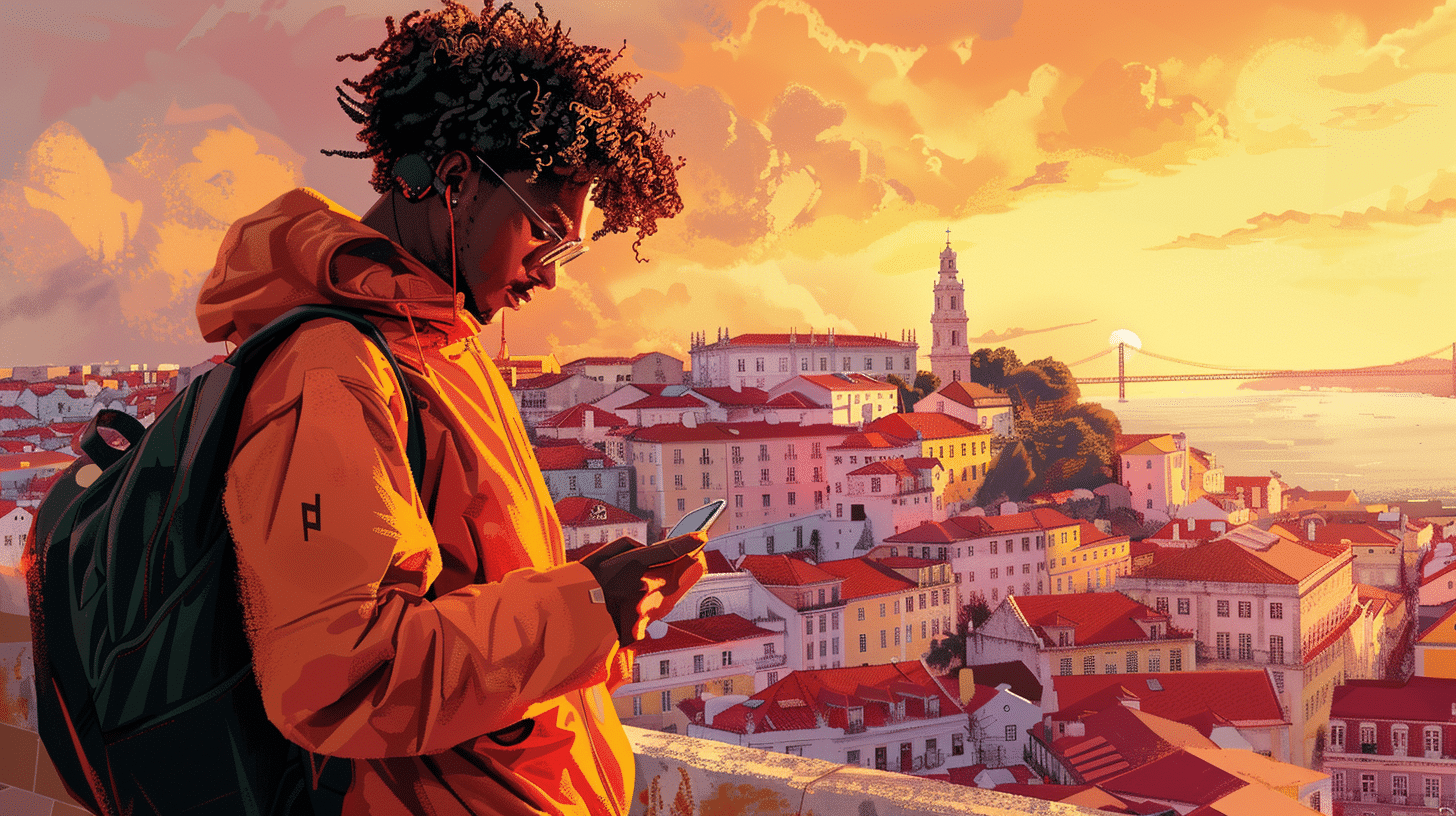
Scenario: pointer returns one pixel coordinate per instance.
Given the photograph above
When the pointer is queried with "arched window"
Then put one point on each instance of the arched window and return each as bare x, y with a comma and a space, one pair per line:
710, 607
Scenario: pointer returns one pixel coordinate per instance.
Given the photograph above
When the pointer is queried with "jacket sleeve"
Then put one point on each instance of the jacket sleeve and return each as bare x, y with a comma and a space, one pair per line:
336, 556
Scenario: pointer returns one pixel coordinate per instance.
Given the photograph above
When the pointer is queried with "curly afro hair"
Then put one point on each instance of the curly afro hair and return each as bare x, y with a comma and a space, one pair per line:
517, 90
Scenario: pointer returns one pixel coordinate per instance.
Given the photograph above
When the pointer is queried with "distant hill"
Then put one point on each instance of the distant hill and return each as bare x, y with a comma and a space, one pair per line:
1434, 378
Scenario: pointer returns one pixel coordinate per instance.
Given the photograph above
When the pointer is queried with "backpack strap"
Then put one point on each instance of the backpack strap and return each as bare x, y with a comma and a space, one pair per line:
249, 356
95, 446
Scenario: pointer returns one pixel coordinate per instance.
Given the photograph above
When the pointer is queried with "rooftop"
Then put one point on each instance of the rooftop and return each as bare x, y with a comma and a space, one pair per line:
570, 457
1236, 696
582, 511
781, 570
1423, 699
973, 395
802, 698
575, 417
1227, 561
737, 431
864, 578
697, 633
817, 339
1096, 617
928, 425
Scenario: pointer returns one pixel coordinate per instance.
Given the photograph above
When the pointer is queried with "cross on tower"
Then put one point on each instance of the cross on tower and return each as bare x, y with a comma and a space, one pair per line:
947, 237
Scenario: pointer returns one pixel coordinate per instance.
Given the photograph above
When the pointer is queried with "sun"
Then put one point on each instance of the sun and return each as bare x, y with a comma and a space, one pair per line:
1125, 336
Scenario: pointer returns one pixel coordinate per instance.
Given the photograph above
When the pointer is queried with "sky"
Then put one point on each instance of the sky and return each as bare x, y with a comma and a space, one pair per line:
1270, 185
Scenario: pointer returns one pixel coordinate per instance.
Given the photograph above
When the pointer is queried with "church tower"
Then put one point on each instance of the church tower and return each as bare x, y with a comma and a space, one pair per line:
950, 351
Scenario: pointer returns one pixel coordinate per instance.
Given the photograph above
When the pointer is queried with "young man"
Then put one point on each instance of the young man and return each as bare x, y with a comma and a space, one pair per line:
438, 638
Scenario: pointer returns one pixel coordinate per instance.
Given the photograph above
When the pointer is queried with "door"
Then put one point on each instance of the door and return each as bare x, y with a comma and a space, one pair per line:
906, 759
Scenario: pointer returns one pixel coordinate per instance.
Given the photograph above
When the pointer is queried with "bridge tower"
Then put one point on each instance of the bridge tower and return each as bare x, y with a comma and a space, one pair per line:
950, 352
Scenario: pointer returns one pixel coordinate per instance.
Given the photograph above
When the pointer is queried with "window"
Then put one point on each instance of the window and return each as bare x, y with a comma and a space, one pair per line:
1246, 609
1155, 661
1433, 787
1011, 733
1399, 740
1223, 609
1223, 646
728, 685
1433, 742
823, 648
1089, 664
727, 657
697, 663
1246, 646
741, 365
1183, 606
803, 363
758, 364
666, 701
1337, 736
1399, 786
637, 706
663, 668
766, 502
882, 638
1066, 667
1175, 660
809, 650
682, 504
1276, 649
851, 757
1132, 662
1337, 785
1276, 611
864, 643
707, 480
957, 744
823, 619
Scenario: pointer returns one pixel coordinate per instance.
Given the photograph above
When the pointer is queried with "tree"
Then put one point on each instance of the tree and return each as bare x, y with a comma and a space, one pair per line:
1042, 388
925, 385
990, 367
951, 650
1011, 477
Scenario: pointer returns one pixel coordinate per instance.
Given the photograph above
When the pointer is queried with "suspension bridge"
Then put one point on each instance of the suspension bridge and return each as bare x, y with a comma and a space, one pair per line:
1440, 367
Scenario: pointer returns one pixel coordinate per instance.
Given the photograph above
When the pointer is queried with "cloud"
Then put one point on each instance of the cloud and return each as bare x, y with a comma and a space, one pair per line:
994, 336
1333, 232
1046, 173
1427, 47
65, 177
1373, 116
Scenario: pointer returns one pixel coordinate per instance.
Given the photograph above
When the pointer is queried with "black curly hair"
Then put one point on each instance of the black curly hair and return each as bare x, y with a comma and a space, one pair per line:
517, 90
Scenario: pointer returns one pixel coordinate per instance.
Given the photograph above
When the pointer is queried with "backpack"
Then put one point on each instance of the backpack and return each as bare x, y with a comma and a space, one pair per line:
146, 698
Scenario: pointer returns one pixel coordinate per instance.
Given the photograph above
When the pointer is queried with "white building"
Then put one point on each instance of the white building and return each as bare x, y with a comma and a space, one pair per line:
853, 399
950, 351
973, 403
589, 523
891, 716
1154, 468
765, 360
15, 524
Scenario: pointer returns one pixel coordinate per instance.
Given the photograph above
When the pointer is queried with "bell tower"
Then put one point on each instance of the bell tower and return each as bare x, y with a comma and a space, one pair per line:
950, 351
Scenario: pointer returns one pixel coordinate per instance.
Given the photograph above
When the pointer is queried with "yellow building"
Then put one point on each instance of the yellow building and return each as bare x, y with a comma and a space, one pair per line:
1089, 561
1436, 648
964, 449
893, 609
717, 655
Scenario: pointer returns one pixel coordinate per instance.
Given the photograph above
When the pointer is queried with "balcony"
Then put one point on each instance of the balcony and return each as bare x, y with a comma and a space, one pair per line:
770, 662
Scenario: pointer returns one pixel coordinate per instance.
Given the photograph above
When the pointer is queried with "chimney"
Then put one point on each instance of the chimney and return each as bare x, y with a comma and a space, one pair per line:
967, 679
591, 420
1177, 530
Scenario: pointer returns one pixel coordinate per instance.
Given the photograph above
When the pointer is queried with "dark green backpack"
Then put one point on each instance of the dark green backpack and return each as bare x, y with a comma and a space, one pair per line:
147, 701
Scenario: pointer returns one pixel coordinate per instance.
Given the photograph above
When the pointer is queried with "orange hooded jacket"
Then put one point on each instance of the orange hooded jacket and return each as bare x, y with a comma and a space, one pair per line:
394, 628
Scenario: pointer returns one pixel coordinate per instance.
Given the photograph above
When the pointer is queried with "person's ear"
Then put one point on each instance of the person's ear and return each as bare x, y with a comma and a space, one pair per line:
450, 172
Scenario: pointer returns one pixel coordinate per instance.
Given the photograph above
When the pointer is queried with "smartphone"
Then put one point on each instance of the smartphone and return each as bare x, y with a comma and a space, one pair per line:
699, 519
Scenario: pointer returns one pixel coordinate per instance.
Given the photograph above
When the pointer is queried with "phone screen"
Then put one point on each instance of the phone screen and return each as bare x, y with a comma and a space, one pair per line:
699, 519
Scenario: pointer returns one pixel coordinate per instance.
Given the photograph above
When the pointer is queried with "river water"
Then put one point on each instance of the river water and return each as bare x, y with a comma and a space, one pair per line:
1383, 446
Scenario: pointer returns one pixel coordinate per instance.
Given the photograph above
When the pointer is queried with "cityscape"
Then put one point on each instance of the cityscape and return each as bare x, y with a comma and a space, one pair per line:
963, 573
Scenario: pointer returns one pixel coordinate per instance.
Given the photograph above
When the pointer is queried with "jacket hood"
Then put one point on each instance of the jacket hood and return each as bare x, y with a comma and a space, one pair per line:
283, 256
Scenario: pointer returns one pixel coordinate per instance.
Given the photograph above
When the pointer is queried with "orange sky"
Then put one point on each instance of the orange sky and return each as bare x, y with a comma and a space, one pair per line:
1240, 183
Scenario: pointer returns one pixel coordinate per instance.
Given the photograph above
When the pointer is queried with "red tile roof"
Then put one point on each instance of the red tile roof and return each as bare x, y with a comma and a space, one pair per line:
1098, 617
13, 385
542, 381
897, 466
1191, 530
694, 633
15, 445
974, 395
845, 341
1122, 443
1180, 777
1285, 562
1419, 699
570, 457
780, 570
575, 417
578, 511
727, 396
1236, 696
586, 361
1253, 482
1014, 673
899, 562
1364, 534
864, 578
718, 563
846, 382
793, 702
737, 431
15, 412
962, 528
930, 426
792, 399
872, 440
663, 401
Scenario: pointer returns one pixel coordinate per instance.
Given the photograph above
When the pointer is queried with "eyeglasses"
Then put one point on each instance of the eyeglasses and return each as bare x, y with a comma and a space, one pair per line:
563, 251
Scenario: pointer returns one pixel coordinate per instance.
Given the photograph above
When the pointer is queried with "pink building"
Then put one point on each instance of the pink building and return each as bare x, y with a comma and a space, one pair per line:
584, 423
892, 494
1392, 746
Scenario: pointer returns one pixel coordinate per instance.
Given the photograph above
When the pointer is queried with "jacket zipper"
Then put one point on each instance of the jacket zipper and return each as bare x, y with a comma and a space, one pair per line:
613, 795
